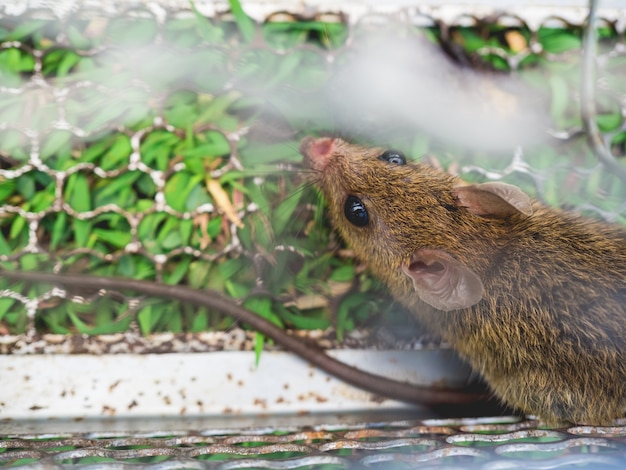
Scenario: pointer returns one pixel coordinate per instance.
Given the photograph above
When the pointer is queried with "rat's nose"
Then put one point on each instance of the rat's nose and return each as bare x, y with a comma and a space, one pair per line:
317, 151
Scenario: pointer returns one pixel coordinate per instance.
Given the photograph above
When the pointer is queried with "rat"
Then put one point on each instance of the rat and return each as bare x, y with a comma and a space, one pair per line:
533, 297
438, 397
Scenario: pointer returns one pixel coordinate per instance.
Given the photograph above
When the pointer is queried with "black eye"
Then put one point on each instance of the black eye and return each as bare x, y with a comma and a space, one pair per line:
393, 156
355, 212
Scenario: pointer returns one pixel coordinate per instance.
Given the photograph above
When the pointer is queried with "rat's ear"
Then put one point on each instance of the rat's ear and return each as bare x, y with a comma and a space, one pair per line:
442, 281
493, 199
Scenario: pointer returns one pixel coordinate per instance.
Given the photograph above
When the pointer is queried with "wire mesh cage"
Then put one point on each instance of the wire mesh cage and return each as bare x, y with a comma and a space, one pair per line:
131, 136
489, 444
159, 141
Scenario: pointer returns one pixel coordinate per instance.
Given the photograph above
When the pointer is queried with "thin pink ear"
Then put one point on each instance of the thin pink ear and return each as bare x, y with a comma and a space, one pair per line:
493, 199
442, 281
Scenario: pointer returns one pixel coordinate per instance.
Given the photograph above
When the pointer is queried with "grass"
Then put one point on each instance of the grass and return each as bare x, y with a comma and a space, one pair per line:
146, 147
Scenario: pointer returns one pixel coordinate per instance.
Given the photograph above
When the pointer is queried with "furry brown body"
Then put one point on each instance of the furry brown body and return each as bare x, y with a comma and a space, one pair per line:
543, 304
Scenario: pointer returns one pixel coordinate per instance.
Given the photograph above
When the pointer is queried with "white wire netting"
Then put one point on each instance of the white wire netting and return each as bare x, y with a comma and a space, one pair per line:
135, 137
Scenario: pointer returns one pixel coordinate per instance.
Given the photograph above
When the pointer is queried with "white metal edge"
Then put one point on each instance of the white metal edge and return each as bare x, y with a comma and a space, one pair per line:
532, 11
203, 385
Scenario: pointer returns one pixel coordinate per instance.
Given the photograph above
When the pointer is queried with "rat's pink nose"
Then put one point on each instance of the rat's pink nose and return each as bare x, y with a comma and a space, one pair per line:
317, 151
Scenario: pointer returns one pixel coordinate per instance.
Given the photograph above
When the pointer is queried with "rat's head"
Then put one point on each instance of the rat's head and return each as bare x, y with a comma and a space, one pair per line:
416, 227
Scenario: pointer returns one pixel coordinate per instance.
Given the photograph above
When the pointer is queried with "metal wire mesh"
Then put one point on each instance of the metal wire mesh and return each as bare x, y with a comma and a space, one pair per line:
486, 443
90, 131
79, 119
82, 117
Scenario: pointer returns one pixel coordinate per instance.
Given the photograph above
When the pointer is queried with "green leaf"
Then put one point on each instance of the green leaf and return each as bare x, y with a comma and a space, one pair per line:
304, 322
118, 154
77, 322
218, 106
195, 165
283, 213
149, 225
43, 199
78, 193
169, 235
97, 114
70, 59
157, 147
263, 307
259, 342
262, 231
197, 197
557, 40
471, 39
174, 321
178, 188
245, 24
206, 152
180, 270
172, 240
348, 303
5, 304
214, 227
94, 150
82, 232
14, 61
230, 268
26, 187
286, 67
116, 238
7, 188
235, 290
25, 29
56, 143
76, 37
123, 324
343, 274
59, 230
54, 322
18, 225
200, 322
182, 116
79, 198
207, 30
185, 228
609, 122
5, 248
115, 189
145, 320
284, 35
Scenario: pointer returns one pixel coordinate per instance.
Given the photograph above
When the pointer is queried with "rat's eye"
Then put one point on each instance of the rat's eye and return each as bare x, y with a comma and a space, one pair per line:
393, 156
355, 212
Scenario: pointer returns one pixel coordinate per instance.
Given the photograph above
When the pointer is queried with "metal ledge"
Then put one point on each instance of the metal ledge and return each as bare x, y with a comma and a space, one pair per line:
534, 12
225, 386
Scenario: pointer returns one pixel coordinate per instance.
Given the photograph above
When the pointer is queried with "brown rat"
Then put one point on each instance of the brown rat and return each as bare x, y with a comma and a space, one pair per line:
403, 391
533, 297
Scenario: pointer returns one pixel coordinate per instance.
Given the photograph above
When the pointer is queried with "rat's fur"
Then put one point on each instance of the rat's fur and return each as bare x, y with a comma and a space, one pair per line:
549, 334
